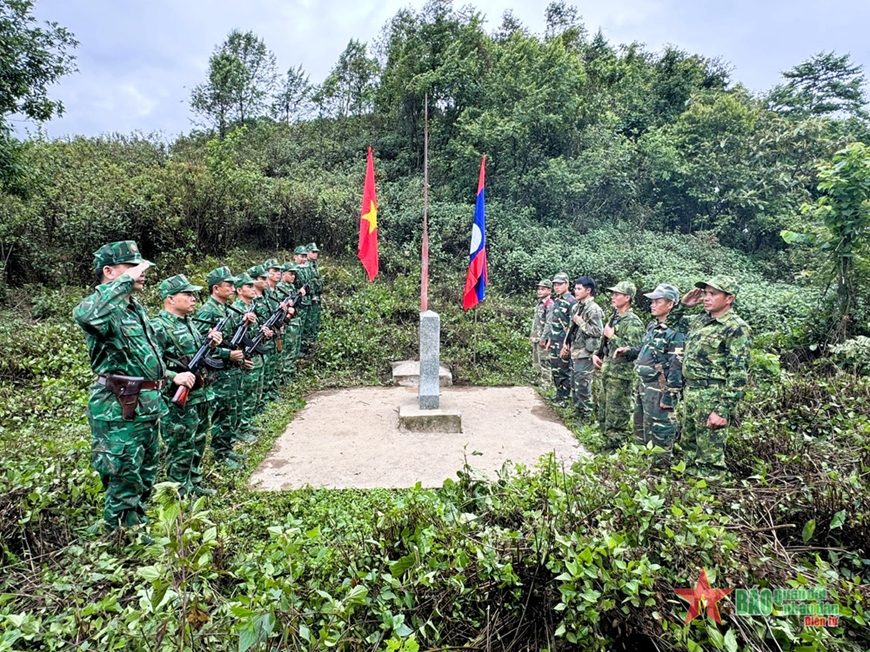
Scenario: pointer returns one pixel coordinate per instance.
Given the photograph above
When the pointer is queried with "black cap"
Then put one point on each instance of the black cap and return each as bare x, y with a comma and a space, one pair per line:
585, 281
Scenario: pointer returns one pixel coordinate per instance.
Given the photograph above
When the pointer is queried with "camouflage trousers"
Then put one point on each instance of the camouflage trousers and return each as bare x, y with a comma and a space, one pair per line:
292, 346
125, 454
561, 370
268, 380
582, 386
652, 423
312, 323
615, 405
225, 410
541, 366
250, 393
703, 447
184, 432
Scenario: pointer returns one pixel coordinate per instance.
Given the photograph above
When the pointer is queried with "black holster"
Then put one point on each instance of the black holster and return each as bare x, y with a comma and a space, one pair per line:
126, 389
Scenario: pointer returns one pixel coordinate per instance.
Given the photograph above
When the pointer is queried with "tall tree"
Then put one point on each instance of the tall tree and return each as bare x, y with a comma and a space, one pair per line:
31, 59
242, 75
349, 88
293, 98
825, 84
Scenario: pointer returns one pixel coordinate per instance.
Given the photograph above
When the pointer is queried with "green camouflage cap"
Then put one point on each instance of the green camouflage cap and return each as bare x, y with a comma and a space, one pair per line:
243, 279
544, 283
286, 267
219, 275
561, 277
624, 287
301, 249
115, 253
290, 267
272, 263
726, 284
312, 247
257, 270
664, 291
176, 284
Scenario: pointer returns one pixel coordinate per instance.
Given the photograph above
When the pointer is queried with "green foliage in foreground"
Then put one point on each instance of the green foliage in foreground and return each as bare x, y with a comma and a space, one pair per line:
548, 557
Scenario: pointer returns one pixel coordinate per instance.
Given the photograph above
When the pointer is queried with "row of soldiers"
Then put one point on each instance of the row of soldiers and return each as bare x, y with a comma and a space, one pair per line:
249, 334
641, 375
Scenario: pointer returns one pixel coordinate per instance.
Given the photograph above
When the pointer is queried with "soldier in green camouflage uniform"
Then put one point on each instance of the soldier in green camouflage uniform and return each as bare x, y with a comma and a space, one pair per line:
300, 257
226, 382
315, 282
616, 388
185, 429
273, 301
555, 331
584, 339
660, 377
540, 356
252, 378
263, 308
715, 368
121, 343
293, 327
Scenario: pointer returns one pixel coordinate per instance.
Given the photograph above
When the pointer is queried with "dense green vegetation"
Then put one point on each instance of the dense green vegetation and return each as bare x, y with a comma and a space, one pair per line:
604, 159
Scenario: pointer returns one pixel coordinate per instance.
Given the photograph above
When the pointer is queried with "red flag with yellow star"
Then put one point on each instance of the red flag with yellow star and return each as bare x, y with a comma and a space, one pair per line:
367, 251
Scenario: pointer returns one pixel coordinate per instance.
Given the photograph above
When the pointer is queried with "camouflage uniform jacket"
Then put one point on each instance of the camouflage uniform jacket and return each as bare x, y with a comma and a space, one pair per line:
315, 280
264, 306
303, 276
179, 339
207, 318
120, 342
627, 332
539, 321
236, 319
288, 288
717, 353
586, 337
657, 359
560, 319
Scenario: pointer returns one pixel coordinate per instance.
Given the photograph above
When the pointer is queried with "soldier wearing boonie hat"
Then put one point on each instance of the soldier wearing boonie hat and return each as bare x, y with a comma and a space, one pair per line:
715, 369
225, 383
185, 429
555, 332
584, 339
125, 404
315, 282
659, 372
616, 381
540, 358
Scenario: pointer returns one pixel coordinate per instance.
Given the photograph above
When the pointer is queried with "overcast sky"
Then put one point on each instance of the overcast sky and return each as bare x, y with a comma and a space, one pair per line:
139, 60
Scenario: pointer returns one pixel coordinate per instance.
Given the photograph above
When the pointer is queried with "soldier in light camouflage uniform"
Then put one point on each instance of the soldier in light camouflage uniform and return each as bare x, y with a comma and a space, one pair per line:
293, 327
315, 282
616, 388
263, 308
584, 339
555, 331
660, 375
715, 368
540, 356
185, 429
125, 405
251, 393
303, 275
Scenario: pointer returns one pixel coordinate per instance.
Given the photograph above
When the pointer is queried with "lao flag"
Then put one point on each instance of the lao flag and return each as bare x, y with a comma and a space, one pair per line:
475, 281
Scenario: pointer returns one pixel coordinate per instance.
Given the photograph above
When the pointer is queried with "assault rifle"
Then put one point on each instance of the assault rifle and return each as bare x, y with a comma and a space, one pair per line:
602, 353
198, 363
240, 337
276, 320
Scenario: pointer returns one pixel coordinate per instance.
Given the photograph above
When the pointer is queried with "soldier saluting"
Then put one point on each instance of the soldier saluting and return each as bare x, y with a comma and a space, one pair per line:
125, 405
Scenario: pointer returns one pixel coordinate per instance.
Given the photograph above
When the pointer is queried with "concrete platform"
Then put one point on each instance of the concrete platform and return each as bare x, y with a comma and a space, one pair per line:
351, 438
407, 374
443, 419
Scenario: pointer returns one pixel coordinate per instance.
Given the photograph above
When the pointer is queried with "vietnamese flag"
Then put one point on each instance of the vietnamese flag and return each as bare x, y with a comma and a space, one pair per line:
367, 251
475, 281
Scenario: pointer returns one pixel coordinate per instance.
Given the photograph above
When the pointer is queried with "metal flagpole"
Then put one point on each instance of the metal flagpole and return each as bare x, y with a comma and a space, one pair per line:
424, 280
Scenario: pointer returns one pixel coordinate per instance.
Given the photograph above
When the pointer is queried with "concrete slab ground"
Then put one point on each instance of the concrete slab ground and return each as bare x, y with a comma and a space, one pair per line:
351, 438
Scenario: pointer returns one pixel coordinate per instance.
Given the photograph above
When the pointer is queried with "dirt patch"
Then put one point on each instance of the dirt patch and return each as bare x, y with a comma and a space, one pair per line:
351, 438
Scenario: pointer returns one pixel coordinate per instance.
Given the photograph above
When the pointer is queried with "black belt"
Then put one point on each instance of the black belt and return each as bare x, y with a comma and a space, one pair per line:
146, 384
703, 382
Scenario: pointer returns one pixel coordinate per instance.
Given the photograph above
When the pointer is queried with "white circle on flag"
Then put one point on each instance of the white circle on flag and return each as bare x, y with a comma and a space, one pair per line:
476, 238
